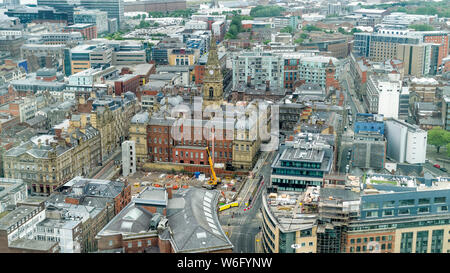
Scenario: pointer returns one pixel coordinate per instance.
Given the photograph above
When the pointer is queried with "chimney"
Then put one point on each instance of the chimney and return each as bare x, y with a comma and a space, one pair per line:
58, 132
169, 193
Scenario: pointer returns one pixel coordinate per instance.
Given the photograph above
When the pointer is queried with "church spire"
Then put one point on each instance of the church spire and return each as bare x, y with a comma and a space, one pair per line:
213, 58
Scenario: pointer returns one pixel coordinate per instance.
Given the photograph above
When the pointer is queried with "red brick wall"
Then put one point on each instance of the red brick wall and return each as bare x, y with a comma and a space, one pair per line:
163, 149
439, 39
70, 200
199, 72
365, 239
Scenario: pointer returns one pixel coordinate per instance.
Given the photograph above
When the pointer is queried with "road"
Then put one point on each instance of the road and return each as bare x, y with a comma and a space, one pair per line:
106, 170
435, 171
243, 225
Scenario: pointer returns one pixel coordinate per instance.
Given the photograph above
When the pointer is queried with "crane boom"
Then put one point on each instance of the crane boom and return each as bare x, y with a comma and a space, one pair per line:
213, 179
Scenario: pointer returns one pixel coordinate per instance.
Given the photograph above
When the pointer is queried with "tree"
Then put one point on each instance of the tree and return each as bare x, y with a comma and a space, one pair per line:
286, 29
266, 11
266, 42
310, 28
438, 137
298, 41
421, 27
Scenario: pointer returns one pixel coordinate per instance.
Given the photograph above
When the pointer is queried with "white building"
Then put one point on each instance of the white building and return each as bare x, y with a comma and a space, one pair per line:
196, 24
383, 94
405, 142
21, 222
27, 108
67, 233
13, 191
128, 158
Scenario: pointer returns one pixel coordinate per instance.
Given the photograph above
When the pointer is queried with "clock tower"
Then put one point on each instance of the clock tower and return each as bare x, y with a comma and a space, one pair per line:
213, 79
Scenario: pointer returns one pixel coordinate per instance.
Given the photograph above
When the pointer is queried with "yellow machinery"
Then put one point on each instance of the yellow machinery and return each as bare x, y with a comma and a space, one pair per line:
213, 180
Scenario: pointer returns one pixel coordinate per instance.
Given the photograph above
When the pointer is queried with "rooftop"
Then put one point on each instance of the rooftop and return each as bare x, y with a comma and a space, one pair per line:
192, 219
291, 211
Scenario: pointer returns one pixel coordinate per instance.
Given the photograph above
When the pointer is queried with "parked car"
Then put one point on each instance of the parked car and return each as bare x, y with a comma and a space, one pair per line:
437, 166
444, 169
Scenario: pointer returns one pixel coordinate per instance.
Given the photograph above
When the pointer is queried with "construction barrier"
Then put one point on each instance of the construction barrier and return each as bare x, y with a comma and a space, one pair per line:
227, 206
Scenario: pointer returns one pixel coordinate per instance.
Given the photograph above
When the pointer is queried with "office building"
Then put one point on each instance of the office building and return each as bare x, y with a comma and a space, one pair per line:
303, 162
40, 14
258, 68
288, 228
154, 5
97, 17
369, 123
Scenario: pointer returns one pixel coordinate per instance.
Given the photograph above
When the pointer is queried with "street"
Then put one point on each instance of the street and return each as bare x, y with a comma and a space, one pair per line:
107, 170
243, 225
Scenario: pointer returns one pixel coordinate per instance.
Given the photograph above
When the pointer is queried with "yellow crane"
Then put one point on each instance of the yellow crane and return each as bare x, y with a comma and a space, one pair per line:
213, 180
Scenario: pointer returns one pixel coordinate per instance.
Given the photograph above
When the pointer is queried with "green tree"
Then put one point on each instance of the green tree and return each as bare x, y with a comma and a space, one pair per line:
438, 137
298, 41
266, 42
266, 11
286, 29
421, 27
310, 28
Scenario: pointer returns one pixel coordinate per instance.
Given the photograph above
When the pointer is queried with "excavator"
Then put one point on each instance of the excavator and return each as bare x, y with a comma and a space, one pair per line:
213, 180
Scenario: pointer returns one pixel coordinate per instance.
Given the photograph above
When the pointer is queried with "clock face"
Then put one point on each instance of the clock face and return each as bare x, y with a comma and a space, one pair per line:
211, 72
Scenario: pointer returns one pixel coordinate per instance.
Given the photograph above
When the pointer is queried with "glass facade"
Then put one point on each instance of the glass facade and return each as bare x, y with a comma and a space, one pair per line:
437, 239
406, 242
422, 241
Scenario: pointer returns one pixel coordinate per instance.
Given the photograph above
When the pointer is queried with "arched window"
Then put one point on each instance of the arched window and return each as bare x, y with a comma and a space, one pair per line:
211, 92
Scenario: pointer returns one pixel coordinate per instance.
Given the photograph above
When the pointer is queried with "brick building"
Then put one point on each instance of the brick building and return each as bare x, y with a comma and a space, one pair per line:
89, 31
128, 82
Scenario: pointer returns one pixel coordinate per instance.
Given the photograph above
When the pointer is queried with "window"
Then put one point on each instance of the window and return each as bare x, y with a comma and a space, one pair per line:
110, 242
424, 201
403, 211
130, 245
389, 212
442, 209
406, 242
438, 200
370, 205
139, 244
371, 214
409, 202
389, 204
423, 210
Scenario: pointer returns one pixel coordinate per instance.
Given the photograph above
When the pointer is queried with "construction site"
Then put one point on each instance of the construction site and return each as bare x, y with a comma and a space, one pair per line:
229, 186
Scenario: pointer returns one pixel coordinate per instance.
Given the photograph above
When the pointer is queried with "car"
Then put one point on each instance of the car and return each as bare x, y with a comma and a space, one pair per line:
443, 169
437, 166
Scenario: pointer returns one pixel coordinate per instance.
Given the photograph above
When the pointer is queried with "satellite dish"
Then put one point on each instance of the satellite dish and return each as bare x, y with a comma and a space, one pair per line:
296, 246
